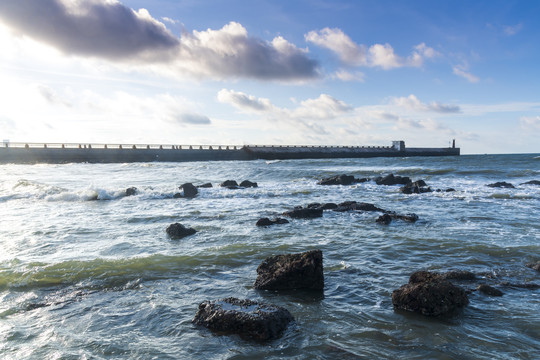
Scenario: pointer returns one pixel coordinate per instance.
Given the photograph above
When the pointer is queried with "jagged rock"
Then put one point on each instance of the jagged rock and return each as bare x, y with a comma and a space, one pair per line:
248, 184
489, 290
268, 222
178, 231
384, 219
388, 217
326, 206
532, 182
247, 318
291, 271
229, 184
356, 206
428, 294
190, 191
534, 266
501, 184
392, 180
205, 185
304, 213
131, 191
341, 180
417, 187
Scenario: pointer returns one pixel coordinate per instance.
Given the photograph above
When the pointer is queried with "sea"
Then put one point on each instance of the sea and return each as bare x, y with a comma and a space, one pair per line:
87, 272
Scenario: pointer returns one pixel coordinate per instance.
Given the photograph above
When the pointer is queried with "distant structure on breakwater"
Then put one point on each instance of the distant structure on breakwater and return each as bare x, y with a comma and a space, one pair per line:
33, 153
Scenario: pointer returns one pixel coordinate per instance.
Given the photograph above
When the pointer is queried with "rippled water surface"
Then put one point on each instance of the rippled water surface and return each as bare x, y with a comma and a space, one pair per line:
89, 273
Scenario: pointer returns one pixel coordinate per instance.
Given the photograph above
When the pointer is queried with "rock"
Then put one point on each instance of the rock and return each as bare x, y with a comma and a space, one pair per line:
229, 184
407, 217
532, 182
531, 286
384, 219
392, 180
428, 294
489, 290
459, 275
248, 184
450, 190
534, 266
247, 318
131, 191
340, 180
501, 184
304, 213
268, 222
326, 206
291, 271
178, 195
190, 191
417, 187
356, 206
178, 231
205, 185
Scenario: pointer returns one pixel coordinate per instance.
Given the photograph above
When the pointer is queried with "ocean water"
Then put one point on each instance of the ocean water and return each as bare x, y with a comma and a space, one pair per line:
88, 273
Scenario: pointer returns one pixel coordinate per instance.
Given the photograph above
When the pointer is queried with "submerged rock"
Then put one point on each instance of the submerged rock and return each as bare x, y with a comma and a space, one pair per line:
501, 184
131, 191
291, 271
532, 182
489, 290
392, 180
458, 275
178, 231
248, 184
429, 294
268, 222
190, 190
304, 213
247, 318
388, 217
205, 185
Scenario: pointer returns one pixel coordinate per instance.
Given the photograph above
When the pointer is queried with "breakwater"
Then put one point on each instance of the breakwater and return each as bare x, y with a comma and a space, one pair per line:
26, 153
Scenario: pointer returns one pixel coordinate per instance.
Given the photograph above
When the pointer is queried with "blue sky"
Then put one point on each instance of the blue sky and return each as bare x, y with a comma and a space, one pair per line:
272, 72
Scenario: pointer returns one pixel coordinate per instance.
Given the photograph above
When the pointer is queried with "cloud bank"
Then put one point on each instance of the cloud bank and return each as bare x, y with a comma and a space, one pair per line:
413, 103
107, 29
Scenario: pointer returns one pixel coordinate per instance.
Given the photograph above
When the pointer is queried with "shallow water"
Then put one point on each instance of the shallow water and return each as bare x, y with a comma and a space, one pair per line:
88, 273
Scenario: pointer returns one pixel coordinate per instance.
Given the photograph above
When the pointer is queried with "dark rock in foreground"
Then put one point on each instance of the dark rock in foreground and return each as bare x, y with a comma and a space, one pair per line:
131, 191
489, 290
304, 213
429, 294
248, 184
268, 222
291, 271
534, 266
205, 185
341, 180
247, 318
190, 190
178, 231
392, 180
501, 184
532, 182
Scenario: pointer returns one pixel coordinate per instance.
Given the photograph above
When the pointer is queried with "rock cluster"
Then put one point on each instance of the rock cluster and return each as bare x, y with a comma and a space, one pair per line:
233, 185
247, 318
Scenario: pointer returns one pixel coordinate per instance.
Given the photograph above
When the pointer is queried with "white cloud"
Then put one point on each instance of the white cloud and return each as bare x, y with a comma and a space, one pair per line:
511, 30
323, 108
413, 103
377, 55
462, 71
244, 102
530, 123
345, 75
106, 29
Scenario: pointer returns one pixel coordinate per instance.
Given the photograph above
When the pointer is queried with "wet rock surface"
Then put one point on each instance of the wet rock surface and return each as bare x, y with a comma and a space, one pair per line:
131, 191
229, 184
189, 190
267, 222
489, 290
501, 184
304, 213
248, 184
429, 294
291, 271
341, 180
357, 206
178, 231
417, 187
532, 182
392, 179
247, 318
534, 265
205, 185
387, 218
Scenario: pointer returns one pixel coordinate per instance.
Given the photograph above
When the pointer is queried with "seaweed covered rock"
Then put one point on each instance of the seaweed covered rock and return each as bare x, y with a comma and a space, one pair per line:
190, 190
390, 179
291, 271
247, 318
178, 231
267, 222
501, 184
429, 294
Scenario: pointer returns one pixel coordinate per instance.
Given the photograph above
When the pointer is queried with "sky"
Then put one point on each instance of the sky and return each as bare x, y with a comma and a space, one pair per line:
295, 72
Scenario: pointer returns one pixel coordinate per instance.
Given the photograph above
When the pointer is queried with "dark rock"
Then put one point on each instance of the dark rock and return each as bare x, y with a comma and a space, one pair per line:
384, 219
417, 187
268, 222
190, 191
392, 180
459, 275
304, 213
534, 266
247, 318
356, 206
329, 206
531, 286
428, 294
501, 184
450, 190
131, 191
489, 290
230, 184
248, 184
205, 185
291, 271
338, 180
178, 195
532, 182
407, 217
178, 231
